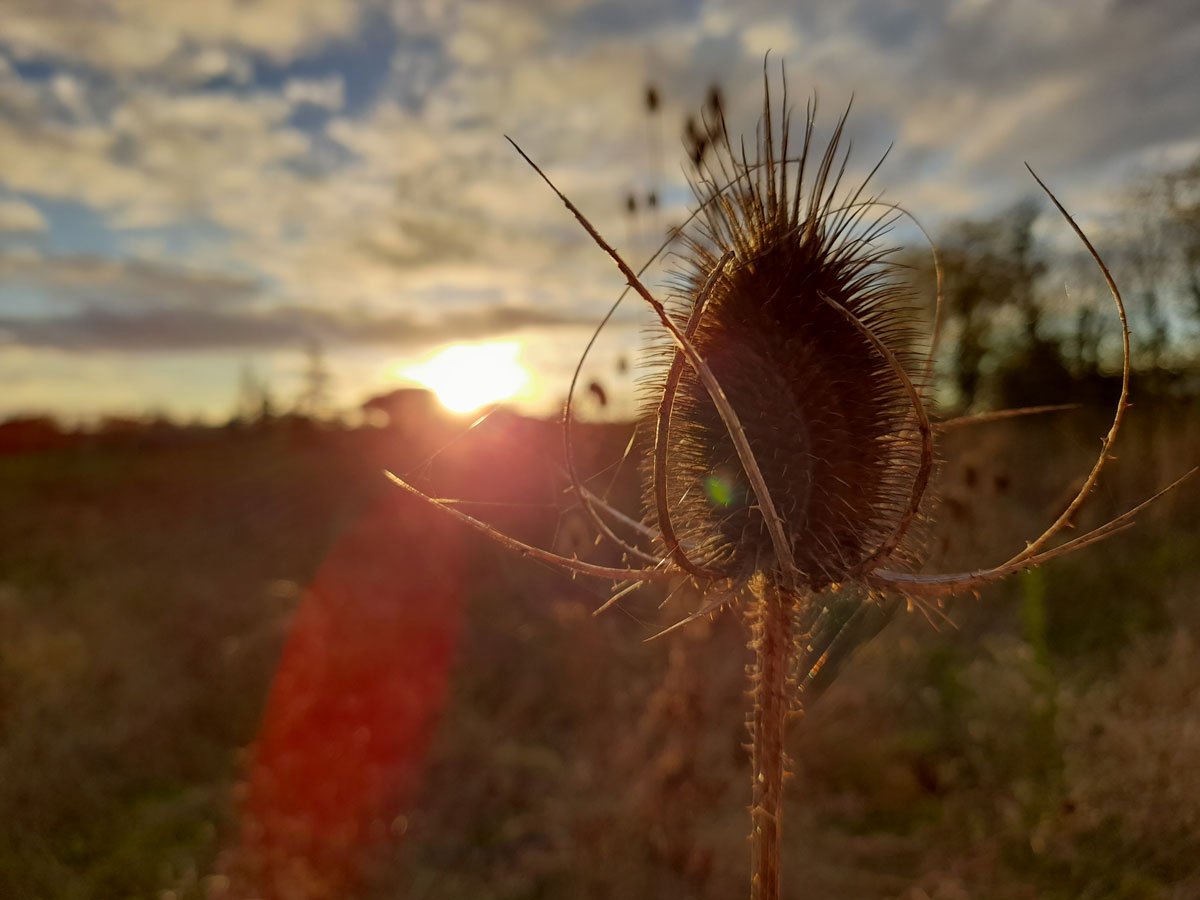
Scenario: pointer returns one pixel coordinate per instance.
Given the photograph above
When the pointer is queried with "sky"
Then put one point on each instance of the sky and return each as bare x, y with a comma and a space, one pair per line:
193, 189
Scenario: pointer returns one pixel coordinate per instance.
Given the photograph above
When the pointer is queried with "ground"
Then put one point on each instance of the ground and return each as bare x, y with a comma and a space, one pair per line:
176, 615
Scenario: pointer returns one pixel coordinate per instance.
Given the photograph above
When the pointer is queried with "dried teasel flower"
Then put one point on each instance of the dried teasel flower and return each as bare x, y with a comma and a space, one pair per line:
792, 444
793, 308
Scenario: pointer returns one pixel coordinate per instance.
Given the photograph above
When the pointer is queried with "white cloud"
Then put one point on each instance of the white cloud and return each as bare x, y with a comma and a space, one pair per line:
20, 217
70, 93
124, 36
492, 34
160, 158
327, 93
200, 64
778, 36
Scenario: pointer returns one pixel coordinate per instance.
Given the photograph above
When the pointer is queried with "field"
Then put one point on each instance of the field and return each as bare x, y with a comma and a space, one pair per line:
450, 721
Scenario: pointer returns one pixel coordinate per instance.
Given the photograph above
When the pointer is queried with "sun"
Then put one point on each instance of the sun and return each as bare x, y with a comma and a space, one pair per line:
465, 377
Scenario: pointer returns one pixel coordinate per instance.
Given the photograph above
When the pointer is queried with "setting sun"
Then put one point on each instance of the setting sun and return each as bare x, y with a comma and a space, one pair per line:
467, 376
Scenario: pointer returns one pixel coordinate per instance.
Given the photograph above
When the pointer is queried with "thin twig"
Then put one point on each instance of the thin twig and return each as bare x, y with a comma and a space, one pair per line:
708, 608
575, 565
1000, 415
940, 585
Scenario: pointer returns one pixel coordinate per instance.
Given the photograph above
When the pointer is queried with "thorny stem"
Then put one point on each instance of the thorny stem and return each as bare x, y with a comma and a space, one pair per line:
772, 641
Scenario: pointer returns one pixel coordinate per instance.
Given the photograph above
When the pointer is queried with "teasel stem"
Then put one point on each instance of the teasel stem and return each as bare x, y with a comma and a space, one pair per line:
772, 641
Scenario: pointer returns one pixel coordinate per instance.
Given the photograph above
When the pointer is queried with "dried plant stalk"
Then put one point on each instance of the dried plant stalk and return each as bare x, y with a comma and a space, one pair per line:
792, 444
795, 311
771, 630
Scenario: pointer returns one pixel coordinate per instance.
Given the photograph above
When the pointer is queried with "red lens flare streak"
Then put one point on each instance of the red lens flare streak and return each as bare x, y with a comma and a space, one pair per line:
354, 703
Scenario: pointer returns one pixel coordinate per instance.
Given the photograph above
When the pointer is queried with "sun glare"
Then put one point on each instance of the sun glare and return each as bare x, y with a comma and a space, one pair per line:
466, 377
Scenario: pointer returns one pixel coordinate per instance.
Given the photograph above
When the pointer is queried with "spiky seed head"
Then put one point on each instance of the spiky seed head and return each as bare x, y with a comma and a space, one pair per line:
829, 420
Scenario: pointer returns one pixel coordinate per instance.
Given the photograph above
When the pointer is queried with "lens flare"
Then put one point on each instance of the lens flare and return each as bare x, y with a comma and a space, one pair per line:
466, 377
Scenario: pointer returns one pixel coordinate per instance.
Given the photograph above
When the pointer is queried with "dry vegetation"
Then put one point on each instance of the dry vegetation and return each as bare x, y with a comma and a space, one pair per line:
1045, 745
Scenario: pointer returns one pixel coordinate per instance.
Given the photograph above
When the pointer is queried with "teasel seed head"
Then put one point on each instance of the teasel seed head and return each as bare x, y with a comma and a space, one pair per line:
791, 298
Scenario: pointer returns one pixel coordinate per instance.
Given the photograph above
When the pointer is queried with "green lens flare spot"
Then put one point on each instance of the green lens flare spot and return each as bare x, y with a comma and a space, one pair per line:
719, 490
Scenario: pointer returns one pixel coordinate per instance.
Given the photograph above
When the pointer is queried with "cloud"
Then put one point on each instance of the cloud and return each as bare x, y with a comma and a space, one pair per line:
190, 329
19, 217
325, 93
97, 283
779, 35
202, 64
155, 157
140, 36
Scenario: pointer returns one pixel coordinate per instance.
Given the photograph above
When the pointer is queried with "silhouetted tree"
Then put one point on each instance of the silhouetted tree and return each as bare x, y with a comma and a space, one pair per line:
255, 405
314, 399
992, 266
1182, 191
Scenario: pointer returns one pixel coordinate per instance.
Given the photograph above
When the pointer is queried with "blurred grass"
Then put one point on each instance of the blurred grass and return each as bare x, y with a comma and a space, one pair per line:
1046, 746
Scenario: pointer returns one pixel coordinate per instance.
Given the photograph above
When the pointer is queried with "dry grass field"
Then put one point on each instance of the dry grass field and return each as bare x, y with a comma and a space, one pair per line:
243, 664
